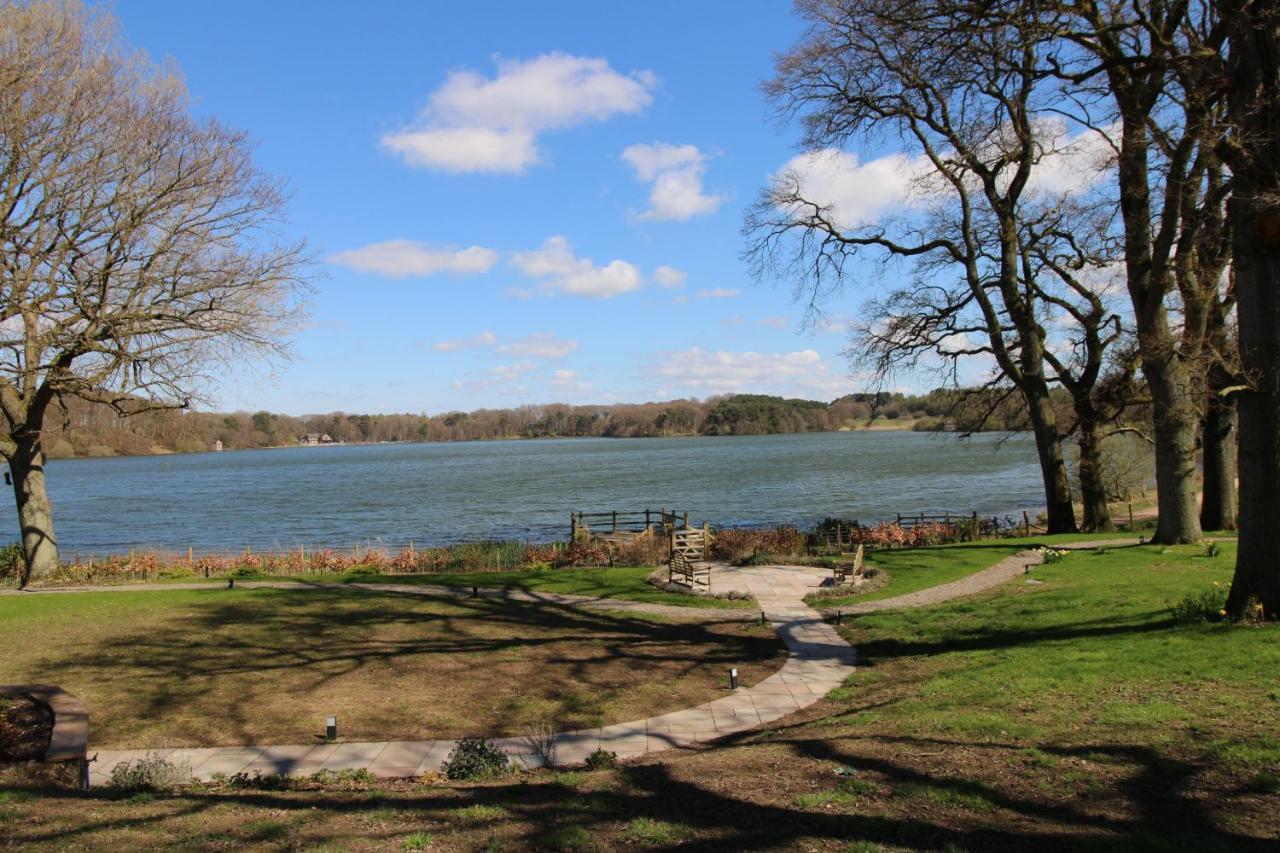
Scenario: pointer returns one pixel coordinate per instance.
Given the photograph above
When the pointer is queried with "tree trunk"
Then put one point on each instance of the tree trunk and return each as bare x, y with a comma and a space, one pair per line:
1218, 439
1253, 68
1096, 515
1060, 514
35, 513
1175, 438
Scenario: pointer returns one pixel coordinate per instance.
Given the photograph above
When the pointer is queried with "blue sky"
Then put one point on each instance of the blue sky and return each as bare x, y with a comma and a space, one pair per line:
515, 203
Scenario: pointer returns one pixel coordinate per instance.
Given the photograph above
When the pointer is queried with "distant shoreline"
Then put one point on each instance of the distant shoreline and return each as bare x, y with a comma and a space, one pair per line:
894, 426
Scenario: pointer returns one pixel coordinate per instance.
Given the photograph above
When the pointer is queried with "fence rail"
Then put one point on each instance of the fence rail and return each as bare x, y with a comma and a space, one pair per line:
586, 524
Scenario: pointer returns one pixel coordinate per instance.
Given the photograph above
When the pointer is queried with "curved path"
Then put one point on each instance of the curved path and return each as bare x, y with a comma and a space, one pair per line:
819, 661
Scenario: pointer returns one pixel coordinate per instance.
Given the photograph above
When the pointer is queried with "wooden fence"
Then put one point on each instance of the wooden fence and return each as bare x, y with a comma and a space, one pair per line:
584, 525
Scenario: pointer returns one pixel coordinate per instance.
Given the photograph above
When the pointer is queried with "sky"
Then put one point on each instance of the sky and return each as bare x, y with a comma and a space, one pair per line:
517, 203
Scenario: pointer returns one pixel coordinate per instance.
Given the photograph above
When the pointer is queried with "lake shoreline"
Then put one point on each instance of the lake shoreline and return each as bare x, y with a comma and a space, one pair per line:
899, 426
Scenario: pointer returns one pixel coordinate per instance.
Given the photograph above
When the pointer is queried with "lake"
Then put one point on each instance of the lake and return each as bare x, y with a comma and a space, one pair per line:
431, 494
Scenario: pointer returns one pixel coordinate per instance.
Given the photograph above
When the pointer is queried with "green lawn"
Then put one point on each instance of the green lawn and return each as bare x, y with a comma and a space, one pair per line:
913, 569
1090, 653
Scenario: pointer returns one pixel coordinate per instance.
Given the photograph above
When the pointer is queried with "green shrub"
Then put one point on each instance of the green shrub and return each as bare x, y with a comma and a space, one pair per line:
1206, 606
174, 572
418, 841
12, 560
571, 837
151, 773
475, 758
244, 572
602, 759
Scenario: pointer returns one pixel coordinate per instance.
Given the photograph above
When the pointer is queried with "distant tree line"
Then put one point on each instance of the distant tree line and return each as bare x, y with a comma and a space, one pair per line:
79, 428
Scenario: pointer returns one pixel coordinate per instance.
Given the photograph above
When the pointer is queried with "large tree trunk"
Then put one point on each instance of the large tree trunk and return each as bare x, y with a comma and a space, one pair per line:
1060, 514
1218, 440
35, 513
1146, 271
1176, 426
1096, 515
1254, 73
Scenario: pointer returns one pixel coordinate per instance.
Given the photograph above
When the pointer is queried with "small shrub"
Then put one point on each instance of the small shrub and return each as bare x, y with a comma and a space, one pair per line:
257, 781
658, 833
541, 738
475, 758
175, 572
602, 759
418, 841
1048, 556
266, 830
350, 776
12, 561
475, 815
1206, 606
571, 837
245, 572
151, 773
1212, 550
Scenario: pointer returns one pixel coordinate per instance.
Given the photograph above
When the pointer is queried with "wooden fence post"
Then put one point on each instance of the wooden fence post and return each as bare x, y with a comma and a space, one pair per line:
706, 540
1026, 524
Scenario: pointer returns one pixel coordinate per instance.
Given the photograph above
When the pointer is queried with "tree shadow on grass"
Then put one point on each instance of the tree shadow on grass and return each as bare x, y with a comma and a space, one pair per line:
921, 809
230, 655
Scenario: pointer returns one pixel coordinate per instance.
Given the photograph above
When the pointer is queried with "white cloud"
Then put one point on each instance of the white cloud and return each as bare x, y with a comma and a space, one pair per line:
512, 372
405, 258
857, 193
484, 339
775, 322
649, 161
568, 382
670, 277
474, 123
1071, 164
541, 345
465, 149
705, 372
563, 272
675, 172
719, 293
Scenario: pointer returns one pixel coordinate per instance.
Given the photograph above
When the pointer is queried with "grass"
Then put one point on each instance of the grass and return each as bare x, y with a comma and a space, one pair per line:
914, 569
219, 667
1075, 714
1096, 635
920, 568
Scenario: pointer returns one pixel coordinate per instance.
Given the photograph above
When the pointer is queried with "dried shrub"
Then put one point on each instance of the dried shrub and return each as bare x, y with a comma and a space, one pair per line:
737, 546
151, 773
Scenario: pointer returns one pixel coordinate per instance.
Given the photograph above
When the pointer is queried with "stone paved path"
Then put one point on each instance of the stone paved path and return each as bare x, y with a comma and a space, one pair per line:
819, 662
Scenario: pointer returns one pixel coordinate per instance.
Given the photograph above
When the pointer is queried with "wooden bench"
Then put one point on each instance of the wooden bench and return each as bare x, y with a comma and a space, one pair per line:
849, 571
689, 550
694, 574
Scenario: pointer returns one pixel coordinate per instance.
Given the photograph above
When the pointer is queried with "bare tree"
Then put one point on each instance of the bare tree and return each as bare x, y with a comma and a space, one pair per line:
1152, 67
961, 84
139, 246
1252, 149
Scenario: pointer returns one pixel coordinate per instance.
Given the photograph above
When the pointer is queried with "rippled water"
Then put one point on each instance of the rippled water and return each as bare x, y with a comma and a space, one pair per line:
441, 493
